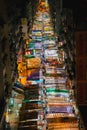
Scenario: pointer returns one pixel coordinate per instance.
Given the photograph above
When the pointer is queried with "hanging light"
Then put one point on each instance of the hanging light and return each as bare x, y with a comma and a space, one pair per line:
46, 3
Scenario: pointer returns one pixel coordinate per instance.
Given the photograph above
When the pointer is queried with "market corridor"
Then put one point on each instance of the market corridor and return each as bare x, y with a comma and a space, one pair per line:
42, 97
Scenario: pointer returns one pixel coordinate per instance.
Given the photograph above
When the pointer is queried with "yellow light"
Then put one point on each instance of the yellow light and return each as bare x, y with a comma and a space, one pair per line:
23, 81
42, 3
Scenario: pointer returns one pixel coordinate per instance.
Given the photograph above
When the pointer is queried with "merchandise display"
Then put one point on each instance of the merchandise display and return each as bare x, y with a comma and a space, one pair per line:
48, 101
